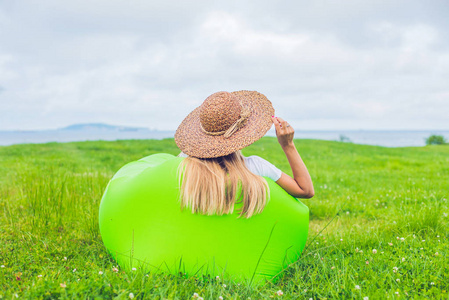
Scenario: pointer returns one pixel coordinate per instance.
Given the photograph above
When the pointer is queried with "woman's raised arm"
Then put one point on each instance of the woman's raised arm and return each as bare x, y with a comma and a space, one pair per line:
300, 186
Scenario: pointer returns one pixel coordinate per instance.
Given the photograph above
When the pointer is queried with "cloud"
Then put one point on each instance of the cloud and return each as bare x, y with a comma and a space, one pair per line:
149, 64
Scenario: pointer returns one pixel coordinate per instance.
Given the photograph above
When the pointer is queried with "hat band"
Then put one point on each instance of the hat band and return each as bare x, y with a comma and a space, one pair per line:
233, 128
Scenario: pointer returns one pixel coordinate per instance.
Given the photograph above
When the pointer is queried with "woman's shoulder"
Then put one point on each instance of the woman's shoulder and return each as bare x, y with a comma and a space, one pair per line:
257, 161
255, 158
262, 167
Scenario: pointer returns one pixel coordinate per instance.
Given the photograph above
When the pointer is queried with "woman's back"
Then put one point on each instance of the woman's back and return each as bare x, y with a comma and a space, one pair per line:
258, 166
214, 185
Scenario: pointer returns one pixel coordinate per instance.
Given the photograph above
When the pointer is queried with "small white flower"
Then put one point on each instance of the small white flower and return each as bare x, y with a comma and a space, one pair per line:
398, 280
397, 293
397, 238
341, 240
390, 244
356, 249
224, 285
114, 269
279, 293
220, 298
100, 273
403, 259
131, 296
65, 258
347, 212
39, 276
445, 214
374, 251
365, 298
74, 270
332, 268
436, 253
402, 239
15, 295
147, 275
133, 269
217, 277
432, 283
2, 266
63, 285
423, 240
357, 287
195, 295
200, 298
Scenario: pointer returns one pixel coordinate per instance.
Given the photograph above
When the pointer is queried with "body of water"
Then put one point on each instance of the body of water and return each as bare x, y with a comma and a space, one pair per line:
46, 136
379, 138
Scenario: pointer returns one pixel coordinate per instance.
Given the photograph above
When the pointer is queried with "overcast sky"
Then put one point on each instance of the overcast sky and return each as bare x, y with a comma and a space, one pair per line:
369, 64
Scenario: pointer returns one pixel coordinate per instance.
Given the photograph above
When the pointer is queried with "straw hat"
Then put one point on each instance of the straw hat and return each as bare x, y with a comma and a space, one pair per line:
224, 123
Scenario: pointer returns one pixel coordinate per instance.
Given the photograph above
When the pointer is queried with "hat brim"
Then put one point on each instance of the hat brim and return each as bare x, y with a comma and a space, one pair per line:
194, 142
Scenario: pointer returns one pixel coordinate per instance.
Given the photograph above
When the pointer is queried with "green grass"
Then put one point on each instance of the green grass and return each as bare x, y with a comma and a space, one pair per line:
393, 200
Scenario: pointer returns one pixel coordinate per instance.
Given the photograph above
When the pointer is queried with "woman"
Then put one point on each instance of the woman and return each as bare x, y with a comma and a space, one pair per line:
215, 176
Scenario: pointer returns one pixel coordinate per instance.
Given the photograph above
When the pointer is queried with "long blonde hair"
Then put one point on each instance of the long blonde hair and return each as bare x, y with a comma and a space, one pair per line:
214, 185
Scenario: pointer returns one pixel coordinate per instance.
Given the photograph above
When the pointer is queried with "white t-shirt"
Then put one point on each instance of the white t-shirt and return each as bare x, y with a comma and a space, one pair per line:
258, 166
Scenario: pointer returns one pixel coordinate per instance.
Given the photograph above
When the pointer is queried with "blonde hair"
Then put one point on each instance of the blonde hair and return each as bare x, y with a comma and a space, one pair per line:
214, 185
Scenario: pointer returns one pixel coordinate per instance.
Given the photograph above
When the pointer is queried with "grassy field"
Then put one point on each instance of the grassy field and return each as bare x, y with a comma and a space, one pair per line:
389, 238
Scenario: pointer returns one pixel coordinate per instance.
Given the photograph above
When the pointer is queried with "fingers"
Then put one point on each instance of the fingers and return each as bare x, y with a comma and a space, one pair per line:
282, 127
284, 131
282, 124
276, 123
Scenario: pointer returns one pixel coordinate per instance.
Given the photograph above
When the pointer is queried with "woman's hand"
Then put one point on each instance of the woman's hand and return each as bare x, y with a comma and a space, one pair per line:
284, 131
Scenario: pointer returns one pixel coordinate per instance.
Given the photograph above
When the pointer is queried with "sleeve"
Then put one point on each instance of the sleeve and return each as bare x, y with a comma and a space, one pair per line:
262, 167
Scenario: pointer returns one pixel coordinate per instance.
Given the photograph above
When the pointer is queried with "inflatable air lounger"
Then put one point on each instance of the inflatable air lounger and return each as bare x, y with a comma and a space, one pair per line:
143, 226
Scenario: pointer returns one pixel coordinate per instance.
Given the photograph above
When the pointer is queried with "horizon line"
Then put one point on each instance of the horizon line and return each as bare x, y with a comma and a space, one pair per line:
173, 130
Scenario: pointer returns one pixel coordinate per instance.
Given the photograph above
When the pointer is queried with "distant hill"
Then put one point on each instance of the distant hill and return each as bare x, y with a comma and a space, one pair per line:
101, 126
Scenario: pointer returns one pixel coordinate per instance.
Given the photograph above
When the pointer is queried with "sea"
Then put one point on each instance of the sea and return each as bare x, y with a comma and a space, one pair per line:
386, 138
